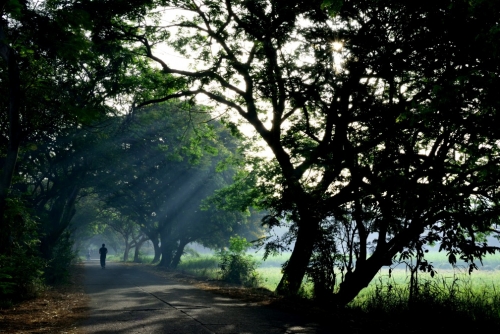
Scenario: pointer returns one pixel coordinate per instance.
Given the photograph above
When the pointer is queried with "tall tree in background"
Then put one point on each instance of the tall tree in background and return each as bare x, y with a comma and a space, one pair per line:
166, 161
381, 116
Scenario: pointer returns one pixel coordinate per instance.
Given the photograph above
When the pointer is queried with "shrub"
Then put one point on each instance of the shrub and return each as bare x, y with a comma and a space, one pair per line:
21, 267
237, 267
62, 256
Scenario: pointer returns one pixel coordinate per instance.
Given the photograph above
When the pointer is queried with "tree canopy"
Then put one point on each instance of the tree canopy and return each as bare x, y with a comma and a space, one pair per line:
67, 80
166, 162
379, 115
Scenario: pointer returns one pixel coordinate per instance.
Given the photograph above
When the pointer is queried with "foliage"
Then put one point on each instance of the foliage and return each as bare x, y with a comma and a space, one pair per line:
59, 76
327, 262
378, 114
191, 252
22, 269
63, 255
235, 265
205, 266
166, 160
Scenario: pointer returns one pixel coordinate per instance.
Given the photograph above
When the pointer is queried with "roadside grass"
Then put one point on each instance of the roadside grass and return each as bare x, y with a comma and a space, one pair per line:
112, 257
269, 271
205, 266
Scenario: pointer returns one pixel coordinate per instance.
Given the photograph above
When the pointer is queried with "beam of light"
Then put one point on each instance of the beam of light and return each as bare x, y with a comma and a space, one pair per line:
337, 46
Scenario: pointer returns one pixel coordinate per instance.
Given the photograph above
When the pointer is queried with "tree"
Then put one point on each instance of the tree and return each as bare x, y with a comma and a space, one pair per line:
59, 71
126, 228
379, 117
165, 163
84, 225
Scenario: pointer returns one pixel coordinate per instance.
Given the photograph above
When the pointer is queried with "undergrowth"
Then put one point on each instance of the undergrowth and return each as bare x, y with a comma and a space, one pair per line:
438, 298
201, 266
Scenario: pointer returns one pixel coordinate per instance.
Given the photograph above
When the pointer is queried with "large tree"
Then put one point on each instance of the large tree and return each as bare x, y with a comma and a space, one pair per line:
60, 70
381, 115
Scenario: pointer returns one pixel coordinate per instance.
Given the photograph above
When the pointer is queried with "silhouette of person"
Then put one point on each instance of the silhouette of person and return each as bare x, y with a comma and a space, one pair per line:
103, 251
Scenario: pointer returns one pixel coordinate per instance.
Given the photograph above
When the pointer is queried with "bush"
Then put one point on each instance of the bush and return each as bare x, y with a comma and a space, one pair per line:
237, 267
21, 267
62, 256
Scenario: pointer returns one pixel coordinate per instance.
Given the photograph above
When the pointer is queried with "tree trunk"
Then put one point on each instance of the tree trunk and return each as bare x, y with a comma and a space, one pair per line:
153, 236
127, 250
138, 245
359, 279
14, 132
156, 246
180, 251
295, 270
136, 252
168, 246
59, 219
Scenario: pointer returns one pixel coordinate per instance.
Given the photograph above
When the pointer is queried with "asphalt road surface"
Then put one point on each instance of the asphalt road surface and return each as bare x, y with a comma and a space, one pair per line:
126, 299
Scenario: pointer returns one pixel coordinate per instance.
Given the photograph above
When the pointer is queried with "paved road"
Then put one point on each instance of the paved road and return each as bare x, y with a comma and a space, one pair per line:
125, 299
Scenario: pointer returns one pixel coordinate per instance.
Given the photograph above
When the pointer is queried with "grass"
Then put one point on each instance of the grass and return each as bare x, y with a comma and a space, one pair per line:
448, 297
440, 261
202, 266
445, 281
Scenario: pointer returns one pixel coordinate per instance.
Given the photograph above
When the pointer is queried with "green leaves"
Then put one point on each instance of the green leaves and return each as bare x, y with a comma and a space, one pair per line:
14, 8
332, 7
235, 266
452, 258
391, 134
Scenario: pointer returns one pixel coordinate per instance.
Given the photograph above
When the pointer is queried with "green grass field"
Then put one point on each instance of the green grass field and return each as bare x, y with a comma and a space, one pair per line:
487, 277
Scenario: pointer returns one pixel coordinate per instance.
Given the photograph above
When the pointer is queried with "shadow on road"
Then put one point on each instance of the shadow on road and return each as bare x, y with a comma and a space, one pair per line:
126, 299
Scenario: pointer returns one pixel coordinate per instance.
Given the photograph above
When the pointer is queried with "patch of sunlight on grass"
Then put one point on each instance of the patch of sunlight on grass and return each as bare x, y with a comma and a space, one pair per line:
201, 266
270, 277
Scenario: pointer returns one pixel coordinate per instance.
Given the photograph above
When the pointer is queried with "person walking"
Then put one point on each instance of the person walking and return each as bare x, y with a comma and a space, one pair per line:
103, 251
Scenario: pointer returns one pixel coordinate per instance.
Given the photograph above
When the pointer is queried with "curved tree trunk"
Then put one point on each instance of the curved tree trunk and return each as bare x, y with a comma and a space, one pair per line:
295, 270
359, 279
126, 252
156, 246
153, 236
138, 245
179, 252
167, 248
